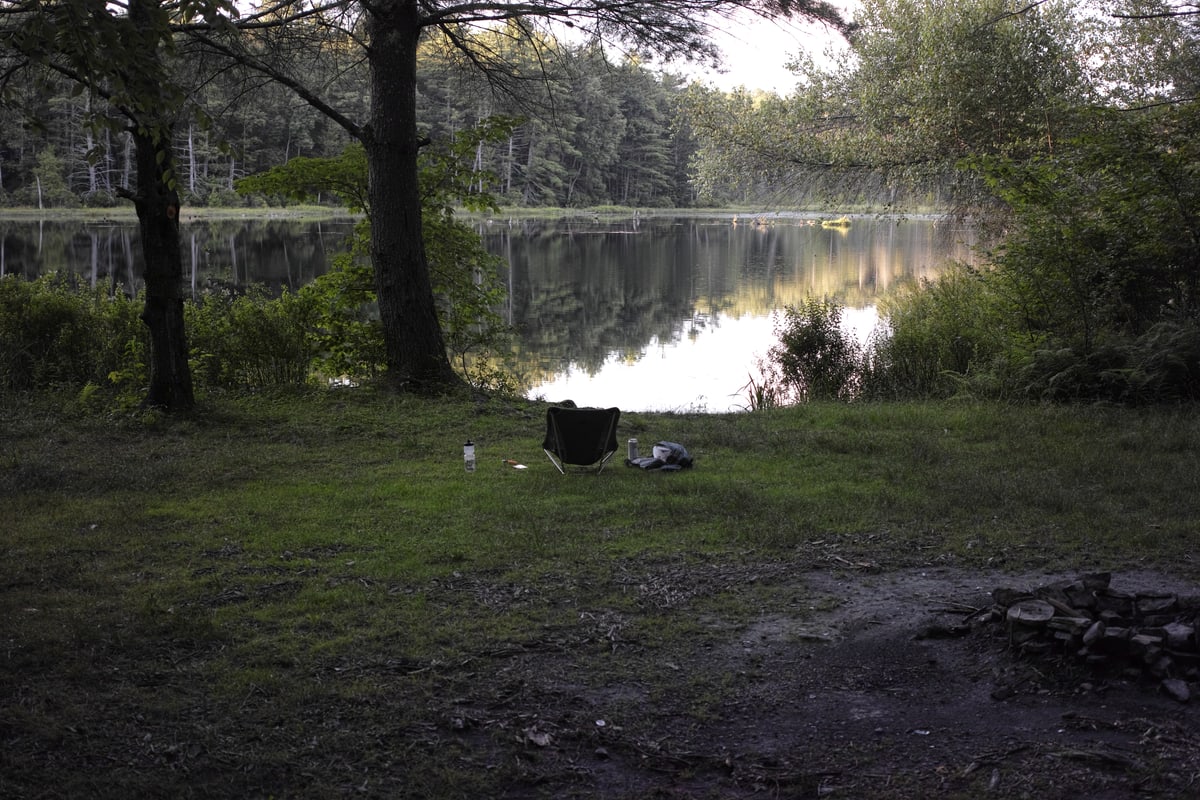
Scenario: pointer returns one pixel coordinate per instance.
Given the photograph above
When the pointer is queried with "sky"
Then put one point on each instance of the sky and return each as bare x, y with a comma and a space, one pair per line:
755, 51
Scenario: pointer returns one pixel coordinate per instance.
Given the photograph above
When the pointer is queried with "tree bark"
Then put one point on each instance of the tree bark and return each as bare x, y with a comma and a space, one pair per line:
414, 345
157, 204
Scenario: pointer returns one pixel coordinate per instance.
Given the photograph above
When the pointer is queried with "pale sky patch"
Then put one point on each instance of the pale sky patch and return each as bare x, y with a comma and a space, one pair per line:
756, 50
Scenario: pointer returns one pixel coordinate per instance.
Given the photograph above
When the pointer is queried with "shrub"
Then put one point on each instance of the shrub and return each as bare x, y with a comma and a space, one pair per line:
1104, 239
816, 358
58, 335
467, 283
100, 199
1162, 365
1168, 362
251, 340
940, 338
346, 331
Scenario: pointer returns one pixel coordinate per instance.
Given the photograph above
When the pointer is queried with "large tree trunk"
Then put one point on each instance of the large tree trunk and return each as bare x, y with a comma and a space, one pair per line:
157, 206
413, 341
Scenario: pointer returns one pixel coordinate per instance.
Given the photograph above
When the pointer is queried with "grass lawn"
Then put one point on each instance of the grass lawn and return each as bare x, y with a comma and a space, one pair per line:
307, 595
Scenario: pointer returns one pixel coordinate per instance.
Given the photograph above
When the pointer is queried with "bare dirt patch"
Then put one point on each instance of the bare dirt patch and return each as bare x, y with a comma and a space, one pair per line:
872, 691
895, 699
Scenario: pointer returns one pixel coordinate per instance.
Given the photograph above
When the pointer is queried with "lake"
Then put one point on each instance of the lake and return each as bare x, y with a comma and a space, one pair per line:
673, 314
645, 313
277, 253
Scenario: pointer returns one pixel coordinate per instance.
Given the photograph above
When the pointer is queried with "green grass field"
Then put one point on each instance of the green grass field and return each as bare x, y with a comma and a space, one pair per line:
282, 564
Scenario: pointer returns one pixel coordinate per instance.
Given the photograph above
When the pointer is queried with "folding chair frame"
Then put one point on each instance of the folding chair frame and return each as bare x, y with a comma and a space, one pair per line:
603, 436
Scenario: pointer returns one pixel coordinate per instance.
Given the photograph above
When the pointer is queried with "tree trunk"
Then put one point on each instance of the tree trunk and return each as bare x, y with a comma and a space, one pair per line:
157, 205
508, 165
89, 144
527, 191
191, 149
414, 346
127, 162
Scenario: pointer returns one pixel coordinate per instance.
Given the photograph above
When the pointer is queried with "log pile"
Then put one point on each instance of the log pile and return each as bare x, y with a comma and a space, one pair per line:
1138, 635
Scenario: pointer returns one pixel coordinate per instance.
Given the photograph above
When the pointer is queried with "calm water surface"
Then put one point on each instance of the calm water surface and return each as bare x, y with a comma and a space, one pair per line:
674, 314
276, 253
657, 313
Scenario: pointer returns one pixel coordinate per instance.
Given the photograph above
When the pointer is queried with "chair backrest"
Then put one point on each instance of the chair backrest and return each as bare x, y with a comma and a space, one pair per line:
581, 436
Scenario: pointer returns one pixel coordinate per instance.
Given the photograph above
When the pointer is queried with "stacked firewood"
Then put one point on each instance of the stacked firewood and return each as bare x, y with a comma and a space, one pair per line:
1138, 635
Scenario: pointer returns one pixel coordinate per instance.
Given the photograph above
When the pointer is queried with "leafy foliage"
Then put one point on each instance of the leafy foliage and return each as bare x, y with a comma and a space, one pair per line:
1161, 366
465, 276
940, 338
575, 107
816, 358
586, 131
924, 84
303, 179
1107, 230
1093, 291
250, 340
347, 335
57, 335
50, 184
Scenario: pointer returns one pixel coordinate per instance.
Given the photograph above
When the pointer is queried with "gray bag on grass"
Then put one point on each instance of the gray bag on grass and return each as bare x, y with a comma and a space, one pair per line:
665, 456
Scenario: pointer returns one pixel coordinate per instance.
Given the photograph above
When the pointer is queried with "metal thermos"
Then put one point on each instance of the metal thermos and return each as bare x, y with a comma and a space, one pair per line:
469, 455
633, 449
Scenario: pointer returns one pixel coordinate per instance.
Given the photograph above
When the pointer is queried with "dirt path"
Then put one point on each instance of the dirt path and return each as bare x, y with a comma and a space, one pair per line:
894, 696
872, 694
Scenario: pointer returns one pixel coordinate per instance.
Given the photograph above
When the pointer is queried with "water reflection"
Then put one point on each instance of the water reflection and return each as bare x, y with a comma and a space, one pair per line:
655, 313
218, 252
672, 313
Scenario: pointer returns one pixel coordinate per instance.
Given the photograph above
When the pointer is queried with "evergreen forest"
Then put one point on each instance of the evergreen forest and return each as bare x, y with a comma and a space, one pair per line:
897, 119
587, 130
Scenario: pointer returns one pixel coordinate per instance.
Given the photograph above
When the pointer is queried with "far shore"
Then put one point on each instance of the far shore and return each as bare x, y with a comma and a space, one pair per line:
125, 213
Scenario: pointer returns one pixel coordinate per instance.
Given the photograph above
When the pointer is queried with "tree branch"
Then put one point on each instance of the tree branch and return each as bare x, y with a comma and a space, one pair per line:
302, 91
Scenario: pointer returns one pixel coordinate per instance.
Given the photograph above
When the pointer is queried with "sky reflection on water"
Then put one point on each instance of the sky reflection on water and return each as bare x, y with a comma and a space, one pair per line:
708, 372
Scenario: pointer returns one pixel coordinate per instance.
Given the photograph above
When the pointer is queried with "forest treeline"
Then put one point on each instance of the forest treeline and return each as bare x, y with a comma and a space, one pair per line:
586, 131
899, 120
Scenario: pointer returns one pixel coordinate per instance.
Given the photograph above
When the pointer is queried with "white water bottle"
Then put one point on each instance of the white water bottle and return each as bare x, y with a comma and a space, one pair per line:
469, 455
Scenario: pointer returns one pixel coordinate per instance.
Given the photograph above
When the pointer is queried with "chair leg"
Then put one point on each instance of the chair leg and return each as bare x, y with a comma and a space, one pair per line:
554, 461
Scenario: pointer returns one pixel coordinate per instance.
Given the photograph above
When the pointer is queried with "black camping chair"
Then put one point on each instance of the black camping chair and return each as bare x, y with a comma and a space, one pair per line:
581, 436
